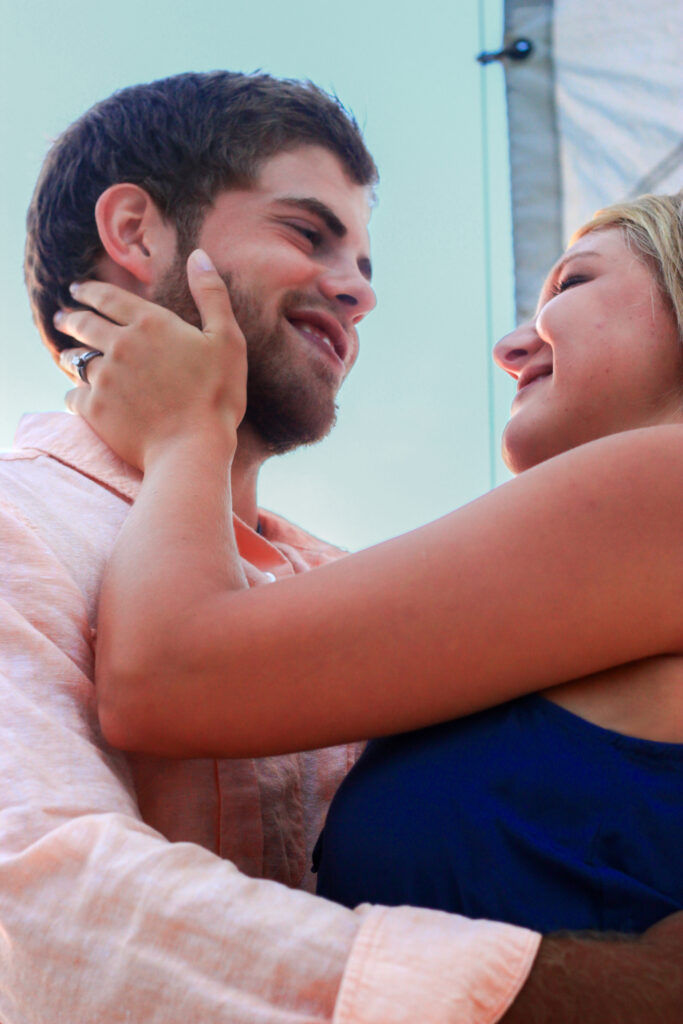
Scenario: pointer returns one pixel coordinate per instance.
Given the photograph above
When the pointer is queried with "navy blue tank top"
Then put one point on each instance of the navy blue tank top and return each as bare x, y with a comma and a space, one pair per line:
524, 813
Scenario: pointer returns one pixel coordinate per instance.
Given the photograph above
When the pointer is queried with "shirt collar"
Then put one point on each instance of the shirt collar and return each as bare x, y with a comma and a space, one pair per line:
70, 440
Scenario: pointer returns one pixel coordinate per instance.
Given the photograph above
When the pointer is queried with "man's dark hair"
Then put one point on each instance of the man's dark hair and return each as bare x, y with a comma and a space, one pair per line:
183, 139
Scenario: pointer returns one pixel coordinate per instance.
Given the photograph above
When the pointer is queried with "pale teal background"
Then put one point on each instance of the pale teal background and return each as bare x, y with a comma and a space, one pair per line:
421, 414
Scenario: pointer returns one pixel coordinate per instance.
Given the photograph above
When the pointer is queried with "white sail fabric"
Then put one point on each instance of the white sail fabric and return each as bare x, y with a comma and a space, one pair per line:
595, 115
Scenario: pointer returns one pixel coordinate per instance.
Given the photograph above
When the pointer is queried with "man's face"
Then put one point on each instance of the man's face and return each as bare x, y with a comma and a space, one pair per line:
294, 252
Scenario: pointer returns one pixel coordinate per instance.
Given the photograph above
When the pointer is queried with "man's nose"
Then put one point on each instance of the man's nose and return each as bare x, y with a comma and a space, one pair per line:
347, 285
512, 352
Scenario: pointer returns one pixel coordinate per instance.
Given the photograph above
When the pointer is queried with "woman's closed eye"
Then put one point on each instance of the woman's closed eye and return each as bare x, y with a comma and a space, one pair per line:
568, 282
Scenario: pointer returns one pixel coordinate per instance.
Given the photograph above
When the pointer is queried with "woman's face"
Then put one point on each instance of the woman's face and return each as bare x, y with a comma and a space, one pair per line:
602, 355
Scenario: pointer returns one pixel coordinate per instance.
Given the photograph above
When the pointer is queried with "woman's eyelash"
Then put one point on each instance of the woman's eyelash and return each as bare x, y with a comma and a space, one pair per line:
568, 282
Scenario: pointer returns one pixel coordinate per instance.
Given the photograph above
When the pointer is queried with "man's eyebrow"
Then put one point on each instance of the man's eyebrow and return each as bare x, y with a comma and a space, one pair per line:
320, 209
312, 205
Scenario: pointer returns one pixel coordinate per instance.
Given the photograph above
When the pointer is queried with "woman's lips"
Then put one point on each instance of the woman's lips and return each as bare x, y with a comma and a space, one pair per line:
531, 375
527, 379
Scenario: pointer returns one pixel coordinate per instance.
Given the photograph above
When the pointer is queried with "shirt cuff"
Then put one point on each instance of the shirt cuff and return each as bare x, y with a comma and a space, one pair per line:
411, 965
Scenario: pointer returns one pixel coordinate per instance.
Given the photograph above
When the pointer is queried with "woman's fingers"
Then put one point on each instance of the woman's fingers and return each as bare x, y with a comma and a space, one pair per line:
211, 298
222, 332
147, 375
75, 400
113, 309
156, 377
91, 329
117, 304
81, 363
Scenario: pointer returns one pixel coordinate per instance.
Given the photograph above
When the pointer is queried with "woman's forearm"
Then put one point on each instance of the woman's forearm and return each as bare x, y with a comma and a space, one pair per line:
572, 568
177, 546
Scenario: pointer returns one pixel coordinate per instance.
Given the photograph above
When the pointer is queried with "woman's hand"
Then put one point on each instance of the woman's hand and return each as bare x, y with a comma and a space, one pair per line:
159, 378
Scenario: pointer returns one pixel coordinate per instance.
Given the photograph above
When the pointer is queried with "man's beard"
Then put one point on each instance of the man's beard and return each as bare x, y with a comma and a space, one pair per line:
286, 409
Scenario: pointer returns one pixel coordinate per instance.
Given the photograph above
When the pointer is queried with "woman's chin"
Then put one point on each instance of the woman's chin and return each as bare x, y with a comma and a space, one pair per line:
522, 448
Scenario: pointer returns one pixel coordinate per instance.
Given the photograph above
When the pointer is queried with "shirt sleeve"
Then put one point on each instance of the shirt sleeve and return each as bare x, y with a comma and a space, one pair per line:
102, 921
411, 965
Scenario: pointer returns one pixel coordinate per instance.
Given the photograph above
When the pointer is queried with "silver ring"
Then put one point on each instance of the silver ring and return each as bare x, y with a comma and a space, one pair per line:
80, 363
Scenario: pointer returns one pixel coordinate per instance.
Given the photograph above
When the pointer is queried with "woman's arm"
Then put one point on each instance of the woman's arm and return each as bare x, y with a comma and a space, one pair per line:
574, 567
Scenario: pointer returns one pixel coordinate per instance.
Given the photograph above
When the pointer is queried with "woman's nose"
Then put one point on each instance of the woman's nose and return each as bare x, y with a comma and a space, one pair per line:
512, 352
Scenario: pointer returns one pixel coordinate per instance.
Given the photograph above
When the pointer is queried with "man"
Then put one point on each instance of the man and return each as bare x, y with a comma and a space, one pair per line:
102, 918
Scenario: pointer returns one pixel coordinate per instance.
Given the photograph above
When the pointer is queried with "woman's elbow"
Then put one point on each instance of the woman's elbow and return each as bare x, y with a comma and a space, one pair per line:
123, 709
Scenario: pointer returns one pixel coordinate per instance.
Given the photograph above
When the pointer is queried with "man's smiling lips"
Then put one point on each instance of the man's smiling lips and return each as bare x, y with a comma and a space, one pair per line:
324, 331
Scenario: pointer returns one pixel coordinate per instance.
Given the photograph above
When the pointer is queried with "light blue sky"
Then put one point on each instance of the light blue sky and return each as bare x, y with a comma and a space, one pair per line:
414, 433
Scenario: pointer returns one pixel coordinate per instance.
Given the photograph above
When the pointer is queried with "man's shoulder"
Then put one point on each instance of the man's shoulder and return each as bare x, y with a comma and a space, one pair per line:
22, 471
62, 490
63, 445
36, 466
43, 431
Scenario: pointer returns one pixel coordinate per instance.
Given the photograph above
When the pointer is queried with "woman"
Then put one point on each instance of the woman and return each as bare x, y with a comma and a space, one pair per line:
569, 577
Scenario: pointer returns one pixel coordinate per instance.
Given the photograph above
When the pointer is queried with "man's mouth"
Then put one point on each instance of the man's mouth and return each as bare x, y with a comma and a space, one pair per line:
324, 331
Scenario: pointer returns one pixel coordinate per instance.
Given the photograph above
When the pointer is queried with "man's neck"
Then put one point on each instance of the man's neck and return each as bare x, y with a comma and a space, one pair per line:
249, 458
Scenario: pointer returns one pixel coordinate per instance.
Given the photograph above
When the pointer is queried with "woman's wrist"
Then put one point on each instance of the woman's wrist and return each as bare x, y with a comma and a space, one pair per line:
205, 443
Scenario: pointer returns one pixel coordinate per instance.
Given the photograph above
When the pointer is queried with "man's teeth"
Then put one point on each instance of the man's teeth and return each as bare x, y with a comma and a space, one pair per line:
316, 333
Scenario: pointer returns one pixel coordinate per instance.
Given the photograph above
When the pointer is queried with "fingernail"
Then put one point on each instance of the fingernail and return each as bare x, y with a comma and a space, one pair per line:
58, 318
74, 288
202, 260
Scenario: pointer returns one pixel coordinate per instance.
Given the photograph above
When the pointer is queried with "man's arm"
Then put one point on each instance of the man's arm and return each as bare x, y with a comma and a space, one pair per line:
605, 979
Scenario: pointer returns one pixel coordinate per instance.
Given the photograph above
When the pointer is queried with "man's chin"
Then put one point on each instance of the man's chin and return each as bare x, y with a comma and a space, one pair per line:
284, 433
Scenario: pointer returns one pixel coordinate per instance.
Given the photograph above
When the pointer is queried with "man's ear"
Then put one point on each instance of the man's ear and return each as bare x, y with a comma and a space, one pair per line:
134, 235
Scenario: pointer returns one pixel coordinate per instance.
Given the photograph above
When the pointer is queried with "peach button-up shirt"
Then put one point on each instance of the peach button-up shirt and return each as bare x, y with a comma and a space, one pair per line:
145, 891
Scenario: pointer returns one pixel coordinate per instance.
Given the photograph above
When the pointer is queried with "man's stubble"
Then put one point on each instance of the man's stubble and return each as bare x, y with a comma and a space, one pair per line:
285, 408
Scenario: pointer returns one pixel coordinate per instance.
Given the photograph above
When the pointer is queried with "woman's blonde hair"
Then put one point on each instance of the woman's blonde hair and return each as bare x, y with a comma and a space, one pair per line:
653, 227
